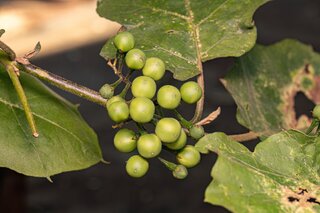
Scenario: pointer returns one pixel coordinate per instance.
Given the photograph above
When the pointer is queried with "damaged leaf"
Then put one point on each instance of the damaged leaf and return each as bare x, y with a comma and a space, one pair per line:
264, 83
281, 175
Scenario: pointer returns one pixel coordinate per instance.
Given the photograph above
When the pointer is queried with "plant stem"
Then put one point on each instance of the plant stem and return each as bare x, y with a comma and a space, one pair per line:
64, 84
8, 50
21, 94
245, 136
199, 108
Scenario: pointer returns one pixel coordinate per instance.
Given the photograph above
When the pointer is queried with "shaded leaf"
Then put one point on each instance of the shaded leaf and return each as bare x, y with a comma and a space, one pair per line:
184, 33
65, 143
281, 175
265, 81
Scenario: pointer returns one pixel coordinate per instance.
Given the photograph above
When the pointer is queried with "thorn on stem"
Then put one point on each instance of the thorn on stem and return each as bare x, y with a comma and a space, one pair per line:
211, 117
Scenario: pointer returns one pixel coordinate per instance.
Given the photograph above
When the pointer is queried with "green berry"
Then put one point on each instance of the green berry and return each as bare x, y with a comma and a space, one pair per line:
188, 156
124, 41
118, 111
196, 132
135, 59
190, 92
125, 140
149, 145
113, 100
154, 68
137, 166
180, 172
168, 97
143, 86
142, 110
316, 112
179, 143
106, 91
168, 130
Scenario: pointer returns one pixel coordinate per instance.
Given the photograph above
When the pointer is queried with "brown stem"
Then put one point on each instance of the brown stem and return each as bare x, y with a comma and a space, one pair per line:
245, 136
63, 84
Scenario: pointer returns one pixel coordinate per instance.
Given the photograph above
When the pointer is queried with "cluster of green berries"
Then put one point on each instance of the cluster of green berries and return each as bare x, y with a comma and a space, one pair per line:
169, 132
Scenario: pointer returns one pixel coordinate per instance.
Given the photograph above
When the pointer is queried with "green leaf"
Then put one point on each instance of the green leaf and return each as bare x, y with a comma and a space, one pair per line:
65, 143
2, 31
184, 33
265, 81
281, 175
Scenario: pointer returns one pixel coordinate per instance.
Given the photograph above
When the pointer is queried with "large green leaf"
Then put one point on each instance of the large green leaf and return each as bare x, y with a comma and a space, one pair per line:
265, 81
65, 143
281, 175
184, 33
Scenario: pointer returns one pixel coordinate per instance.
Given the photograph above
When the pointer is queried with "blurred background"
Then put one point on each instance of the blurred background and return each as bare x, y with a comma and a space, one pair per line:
72, 34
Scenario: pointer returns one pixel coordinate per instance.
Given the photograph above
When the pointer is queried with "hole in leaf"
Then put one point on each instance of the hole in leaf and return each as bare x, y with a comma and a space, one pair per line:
313, 200
303, 106
293, 199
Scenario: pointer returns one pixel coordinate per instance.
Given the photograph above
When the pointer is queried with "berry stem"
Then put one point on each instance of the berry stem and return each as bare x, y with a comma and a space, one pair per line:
116, 83
125, 90
183, 121
314, 124
171, 166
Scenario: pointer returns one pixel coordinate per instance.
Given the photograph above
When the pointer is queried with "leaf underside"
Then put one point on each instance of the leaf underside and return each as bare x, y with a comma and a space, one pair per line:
184, 33
65, 143
281, 175
265, 81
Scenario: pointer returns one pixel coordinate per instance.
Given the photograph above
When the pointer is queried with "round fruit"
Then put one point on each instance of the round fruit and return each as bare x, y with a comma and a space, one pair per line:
124, 41
154, 68
316, 112
188, 156
190, 92
125, 140
137, 166
168, 130
196, 132
141, 110
135, 59
180, 143
168, 97
180, 172
106, 91
113, 100
149, 145
118, 111
143, 86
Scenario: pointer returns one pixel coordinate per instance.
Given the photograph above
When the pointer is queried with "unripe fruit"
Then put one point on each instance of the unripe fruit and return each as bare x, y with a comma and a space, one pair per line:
124, 41
118, 111
154, 68
196, 132
113, 100
137, 166
188, 156
168, 130
143, 86
190, 92
178, 144
149, 145
316, 112
142, 110
135, 59
180, 172
106, 91
125, 140
168, 97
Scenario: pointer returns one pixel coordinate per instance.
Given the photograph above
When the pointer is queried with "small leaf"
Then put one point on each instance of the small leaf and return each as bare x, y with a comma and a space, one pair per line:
184, 33
265, 81
281, 175
65, 143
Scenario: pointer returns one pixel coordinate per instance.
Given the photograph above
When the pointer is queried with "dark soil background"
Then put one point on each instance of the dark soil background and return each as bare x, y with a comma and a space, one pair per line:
107, 188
